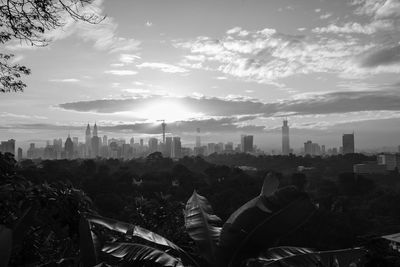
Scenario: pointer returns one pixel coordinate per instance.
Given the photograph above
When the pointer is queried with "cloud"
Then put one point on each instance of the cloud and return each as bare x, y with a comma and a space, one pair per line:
309, 104
164, 67
69, 80
121, 72
379, 9
20, 116
354, 27
381, 57
264, 56
103, 35
325, 16
128, 58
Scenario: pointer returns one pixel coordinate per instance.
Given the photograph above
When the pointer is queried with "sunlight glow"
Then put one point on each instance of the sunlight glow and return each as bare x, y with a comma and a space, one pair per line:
165, 109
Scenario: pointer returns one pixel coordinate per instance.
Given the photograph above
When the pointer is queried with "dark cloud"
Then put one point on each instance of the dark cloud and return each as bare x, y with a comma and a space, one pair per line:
336, 102
382, 57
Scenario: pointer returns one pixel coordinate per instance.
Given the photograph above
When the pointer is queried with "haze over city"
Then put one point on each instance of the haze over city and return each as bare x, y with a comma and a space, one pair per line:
227, 67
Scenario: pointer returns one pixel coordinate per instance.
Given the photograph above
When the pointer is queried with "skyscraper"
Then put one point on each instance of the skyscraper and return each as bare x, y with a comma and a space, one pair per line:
95, 143
95, 130
198, 139
88, 141
246, 144
69, 148
8, 146
348, 143
176, 147
19, 154
105, 140
308, 148
285, 138
153, 145
168, 147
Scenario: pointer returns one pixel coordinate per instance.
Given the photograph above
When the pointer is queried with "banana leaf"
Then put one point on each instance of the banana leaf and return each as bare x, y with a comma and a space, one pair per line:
137, 231
305, 257
89, 245
137, 253
259, 223
5, 245
132, 230
200, 223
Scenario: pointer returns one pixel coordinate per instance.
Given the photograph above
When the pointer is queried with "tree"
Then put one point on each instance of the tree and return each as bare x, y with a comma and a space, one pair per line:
27, 21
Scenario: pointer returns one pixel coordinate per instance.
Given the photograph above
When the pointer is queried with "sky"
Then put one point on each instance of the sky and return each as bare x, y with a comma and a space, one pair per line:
229, 67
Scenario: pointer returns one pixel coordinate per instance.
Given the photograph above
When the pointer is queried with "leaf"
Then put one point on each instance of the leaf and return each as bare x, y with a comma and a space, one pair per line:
252, 229
134, 230
88, 244
130, 229
200, 223
135, 253
5, 245
304, 257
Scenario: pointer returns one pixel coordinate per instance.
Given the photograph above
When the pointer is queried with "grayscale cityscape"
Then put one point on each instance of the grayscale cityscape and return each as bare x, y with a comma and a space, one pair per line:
182, 133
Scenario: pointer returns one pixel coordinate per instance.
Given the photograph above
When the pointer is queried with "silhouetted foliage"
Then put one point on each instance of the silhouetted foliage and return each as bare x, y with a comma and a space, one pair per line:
27, 22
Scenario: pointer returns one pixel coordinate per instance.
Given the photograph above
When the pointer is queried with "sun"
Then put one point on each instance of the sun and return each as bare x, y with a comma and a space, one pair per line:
166, 109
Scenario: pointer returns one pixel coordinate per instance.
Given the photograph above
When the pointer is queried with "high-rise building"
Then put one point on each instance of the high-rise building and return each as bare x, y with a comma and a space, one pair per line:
285, 138
132, 141
30, 153
168, 147
95, 130
176, 147
8, 146
153, 145
95, 143
69, 148
210, 148
105, 140
391, 161
229, 147
308, 148
246, 143
198, 138
348, 143
88, 141
312, 149
19, 153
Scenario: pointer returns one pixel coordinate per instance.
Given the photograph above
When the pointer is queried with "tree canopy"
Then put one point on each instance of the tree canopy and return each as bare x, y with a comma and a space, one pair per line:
27, 21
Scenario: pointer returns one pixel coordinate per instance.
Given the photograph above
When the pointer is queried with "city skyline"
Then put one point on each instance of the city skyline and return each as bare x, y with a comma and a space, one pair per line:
330, 66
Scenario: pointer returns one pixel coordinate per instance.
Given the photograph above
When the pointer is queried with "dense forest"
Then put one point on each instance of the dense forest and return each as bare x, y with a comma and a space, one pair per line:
151, 192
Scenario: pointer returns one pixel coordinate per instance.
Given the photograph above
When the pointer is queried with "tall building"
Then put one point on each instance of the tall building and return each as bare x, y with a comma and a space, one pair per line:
19, 153
308, 148
246, 143
8, 146
95, 130
285, 138
69, 148
153, 145
95, 143
348, 143
229, 147
168, 147
198, 139
176, 147
88, 141
210, 148
132, 142
105, 140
